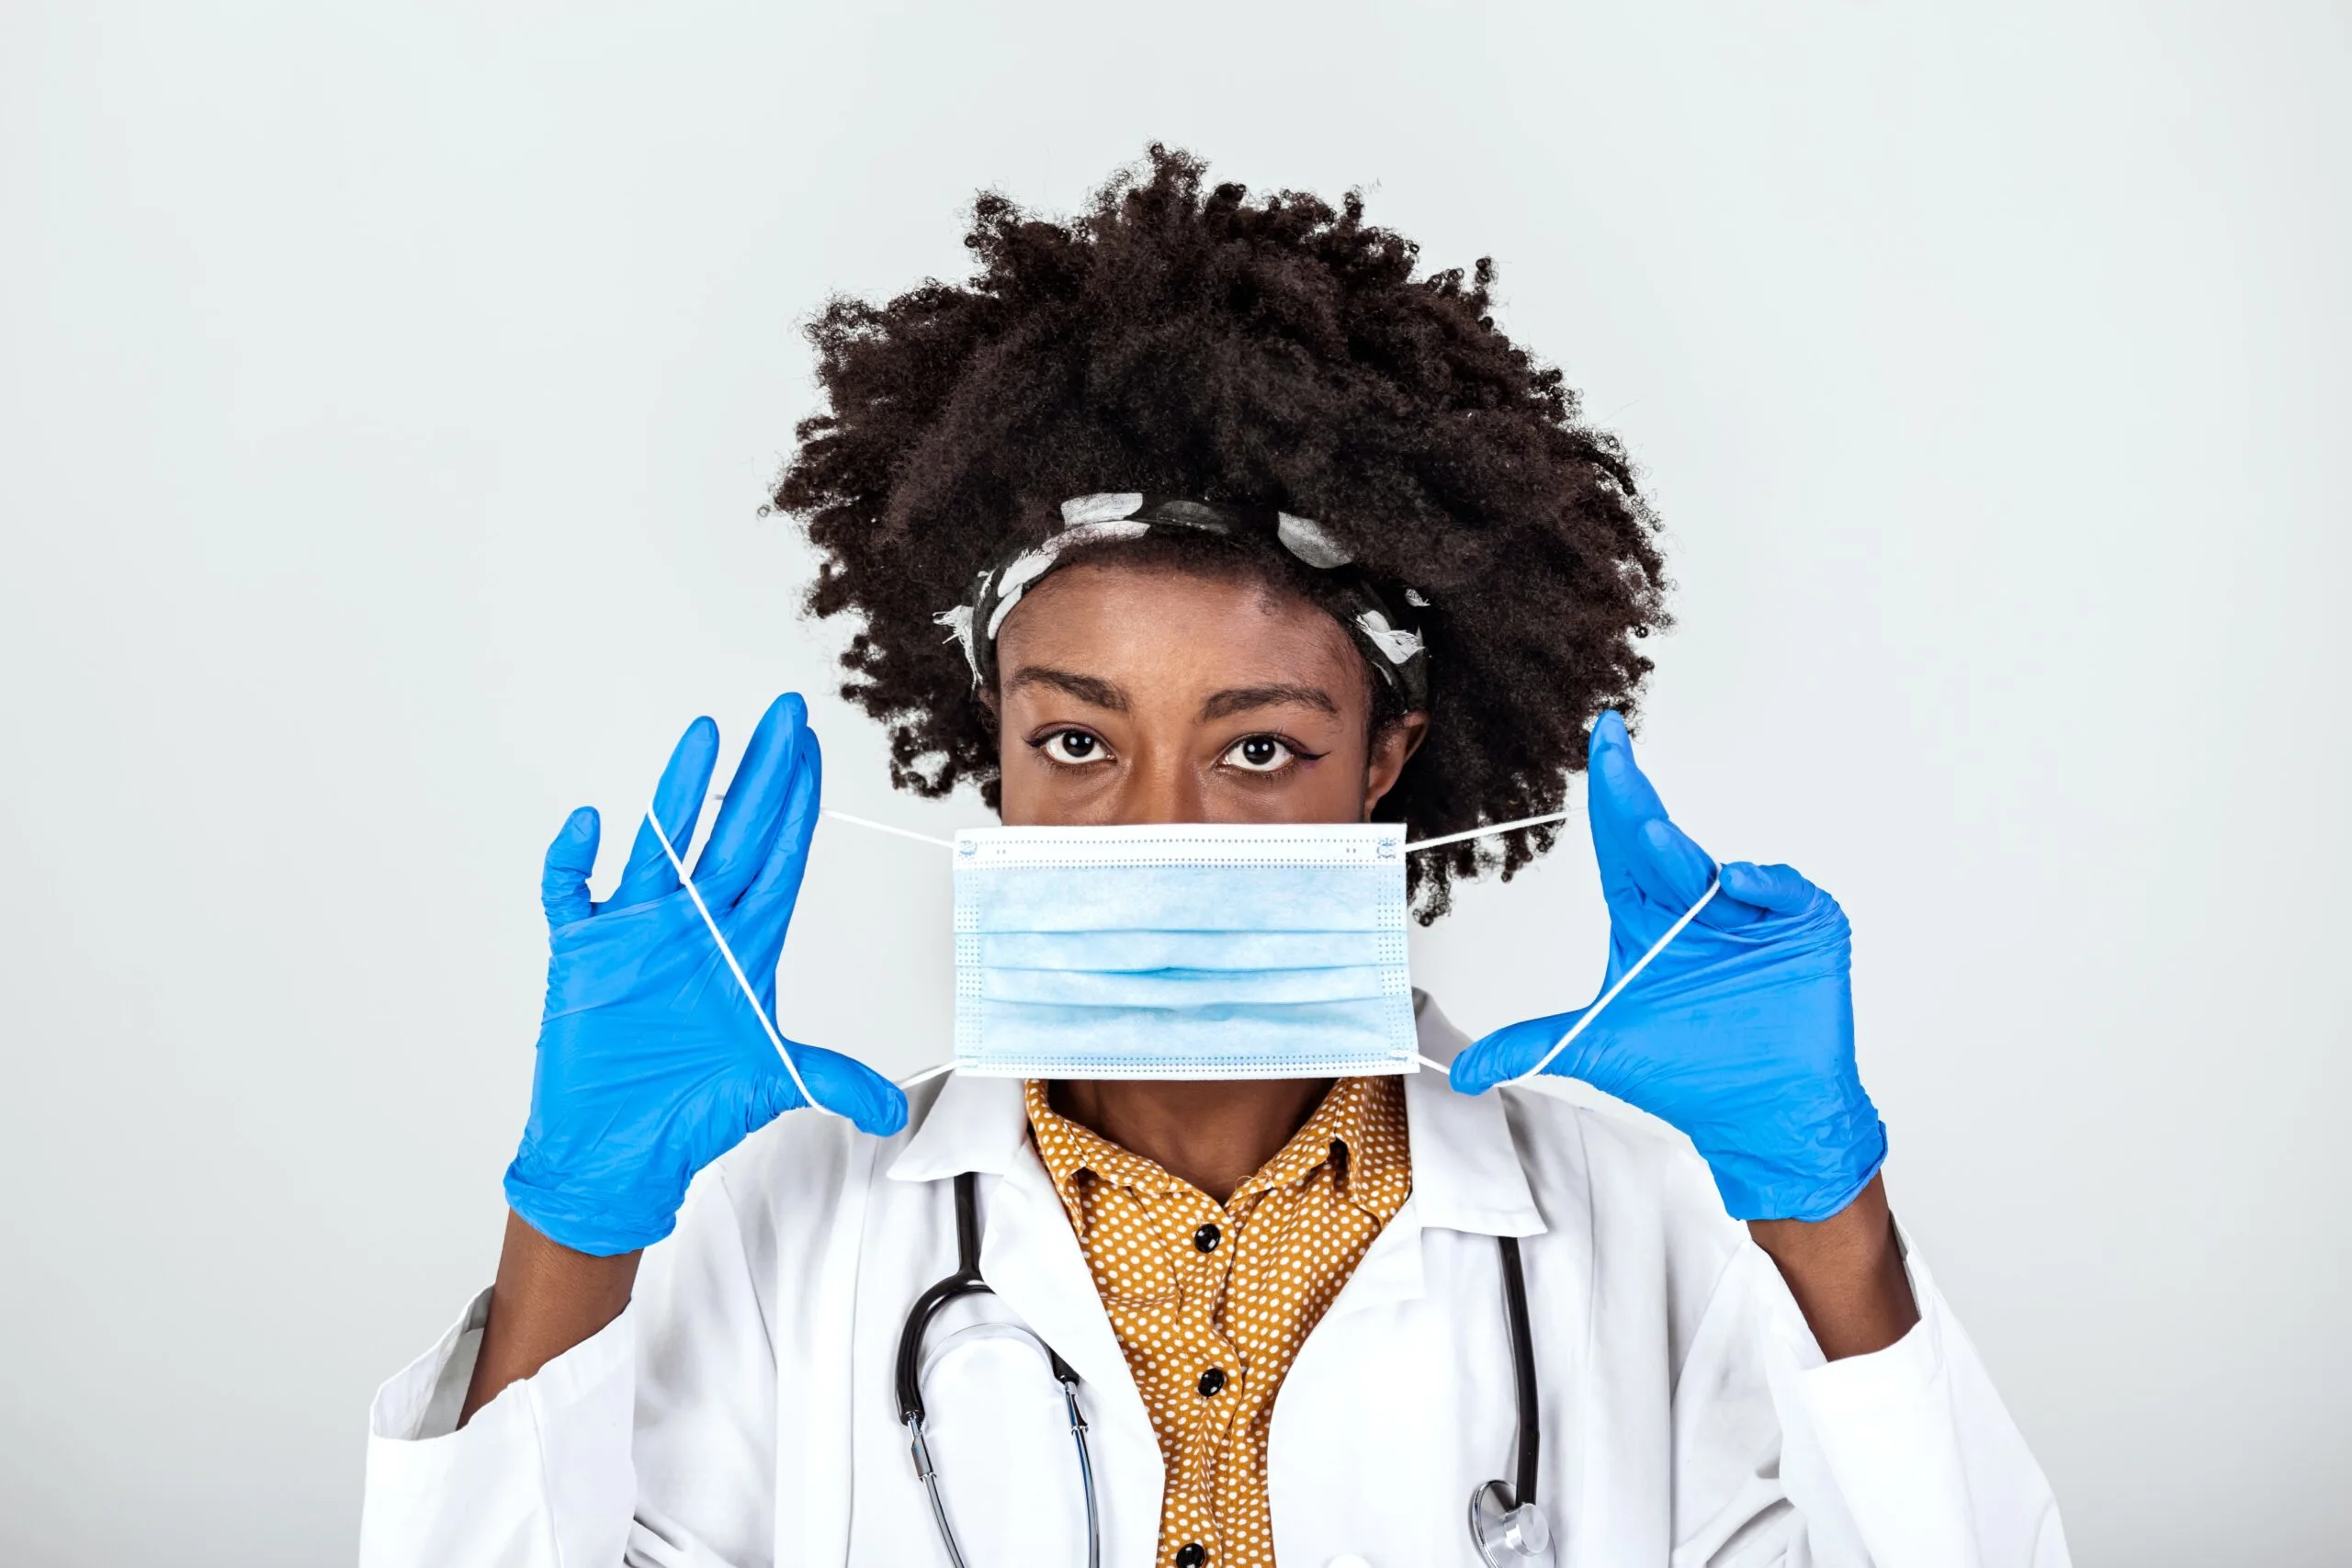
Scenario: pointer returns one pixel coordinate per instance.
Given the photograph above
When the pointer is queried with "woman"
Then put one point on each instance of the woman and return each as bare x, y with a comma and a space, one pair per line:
1207, 511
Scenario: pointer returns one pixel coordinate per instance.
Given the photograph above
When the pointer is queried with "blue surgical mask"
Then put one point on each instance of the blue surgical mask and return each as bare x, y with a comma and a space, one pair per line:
1179, 951
1182, 951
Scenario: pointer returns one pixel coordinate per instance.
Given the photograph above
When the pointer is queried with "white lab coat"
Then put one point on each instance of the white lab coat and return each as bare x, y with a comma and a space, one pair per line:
740, 1412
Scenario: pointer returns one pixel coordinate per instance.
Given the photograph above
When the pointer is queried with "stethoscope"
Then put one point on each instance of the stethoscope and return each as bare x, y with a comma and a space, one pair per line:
1507, 1527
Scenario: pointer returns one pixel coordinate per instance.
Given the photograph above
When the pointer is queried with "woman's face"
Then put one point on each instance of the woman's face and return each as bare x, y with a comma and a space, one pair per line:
1146, 694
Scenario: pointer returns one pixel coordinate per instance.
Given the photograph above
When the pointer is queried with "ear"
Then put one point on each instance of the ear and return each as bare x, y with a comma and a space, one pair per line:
1391, 749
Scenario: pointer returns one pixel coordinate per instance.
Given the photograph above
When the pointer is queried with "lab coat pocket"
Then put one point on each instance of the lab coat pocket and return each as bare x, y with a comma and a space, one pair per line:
1000, 1435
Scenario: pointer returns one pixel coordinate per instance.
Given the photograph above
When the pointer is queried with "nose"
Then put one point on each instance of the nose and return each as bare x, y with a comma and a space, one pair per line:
1161, 786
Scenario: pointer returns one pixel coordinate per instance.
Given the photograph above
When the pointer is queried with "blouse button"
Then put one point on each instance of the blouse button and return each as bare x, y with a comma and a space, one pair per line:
1205, 1238
1211, 1380
1192, 1554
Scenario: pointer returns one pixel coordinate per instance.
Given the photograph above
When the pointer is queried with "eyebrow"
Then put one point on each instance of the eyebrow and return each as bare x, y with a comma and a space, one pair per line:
1085, 688
1241, 699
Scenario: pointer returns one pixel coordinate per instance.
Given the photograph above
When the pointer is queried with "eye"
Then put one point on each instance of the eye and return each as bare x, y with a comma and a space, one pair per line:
1259, 755
1071, 747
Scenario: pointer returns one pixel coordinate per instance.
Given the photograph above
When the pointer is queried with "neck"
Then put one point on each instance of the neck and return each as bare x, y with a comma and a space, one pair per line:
1215, 1135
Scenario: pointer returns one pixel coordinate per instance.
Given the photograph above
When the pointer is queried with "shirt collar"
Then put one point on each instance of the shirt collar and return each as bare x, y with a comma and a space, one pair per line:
1362, 1116
1070, 1150
1365, 1117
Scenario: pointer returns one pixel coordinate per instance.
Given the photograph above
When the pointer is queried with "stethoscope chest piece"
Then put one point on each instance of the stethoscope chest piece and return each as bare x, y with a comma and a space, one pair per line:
1509, 1533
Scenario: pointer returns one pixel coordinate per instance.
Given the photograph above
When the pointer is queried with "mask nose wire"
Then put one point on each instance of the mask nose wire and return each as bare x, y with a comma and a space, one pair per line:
743, 981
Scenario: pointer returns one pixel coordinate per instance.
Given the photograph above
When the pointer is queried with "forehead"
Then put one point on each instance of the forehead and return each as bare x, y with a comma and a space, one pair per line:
1164, 629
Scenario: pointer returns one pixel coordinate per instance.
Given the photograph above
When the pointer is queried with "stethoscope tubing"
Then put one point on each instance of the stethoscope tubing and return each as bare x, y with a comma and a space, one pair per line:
1522, 1371
967, 1282
1085, 1476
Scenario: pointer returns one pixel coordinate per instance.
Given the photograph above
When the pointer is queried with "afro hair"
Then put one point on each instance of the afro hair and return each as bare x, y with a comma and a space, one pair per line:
1181, 338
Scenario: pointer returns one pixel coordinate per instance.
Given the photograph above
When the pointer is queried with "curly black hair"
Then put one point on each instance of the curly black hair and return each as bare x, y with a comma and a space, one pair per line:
1179, 338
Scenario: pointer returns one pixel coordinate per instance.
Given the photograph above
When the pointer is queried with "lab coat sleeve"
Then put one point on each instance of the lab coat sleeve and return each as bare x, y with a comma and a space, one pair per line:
1901, 1458
649, 1444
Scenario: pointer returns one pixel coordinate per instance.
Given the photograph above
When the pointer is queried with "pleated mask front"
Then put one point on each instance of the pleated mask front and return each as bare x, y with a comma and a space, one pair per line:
1182, 951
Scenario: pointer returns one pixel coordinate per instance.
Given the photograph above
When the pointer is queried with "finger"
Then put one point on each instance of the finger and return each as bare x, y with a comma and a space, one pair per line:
849, 1088
1674, 873
779, 882
678, 800
563, 882
1777, 888
747, 817
1510, 1052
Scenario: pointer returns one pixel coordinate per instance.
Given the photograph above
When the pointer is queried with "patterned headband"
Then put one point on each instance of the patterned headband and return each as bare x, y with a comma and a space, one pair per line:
1389, 645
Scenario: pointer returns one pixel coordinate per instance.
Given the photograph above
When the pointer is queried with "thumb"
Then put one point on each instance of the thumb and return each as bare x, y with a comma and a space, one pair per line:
846, 1086
563, 882
1781, 889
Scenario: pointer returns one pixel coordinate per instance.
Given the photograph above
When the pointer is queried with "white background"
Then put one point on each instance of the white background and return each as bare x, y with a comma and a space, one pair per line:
386, 395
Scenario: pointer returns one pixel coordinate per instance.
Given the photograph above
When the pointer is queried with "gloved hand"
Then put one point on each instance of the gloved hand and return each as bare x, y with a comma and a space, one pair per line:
1740, 1032
650, 1062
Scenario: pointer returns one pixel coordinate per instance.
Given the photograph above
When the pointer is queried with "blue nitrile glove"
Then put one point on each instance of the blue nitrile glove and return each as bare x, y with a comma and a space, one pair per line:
1740, 1032
652, 1063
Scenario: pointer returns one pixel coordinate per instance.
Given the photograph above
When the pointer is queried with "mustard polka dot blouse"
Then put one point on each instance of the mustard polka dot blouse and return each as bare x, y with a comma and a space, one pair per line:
1212, 1300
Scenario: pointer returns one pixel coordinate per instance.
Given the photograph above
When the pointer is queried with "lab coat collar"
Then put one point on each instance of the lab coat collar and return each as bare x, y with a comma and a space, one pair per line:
1466, 1171
974, 1123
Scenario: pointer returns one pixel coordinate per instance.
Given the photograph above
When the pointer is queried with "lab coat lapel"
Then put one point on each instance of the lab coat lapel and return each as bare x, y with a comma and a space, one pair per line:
1466, 1177
1397, 1326
1029, 1255
826, 1484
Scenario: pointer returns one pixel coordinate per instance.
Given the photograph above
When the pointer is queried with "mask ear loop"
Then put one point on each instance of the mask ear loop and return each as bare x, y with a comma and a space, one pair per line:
949, 1066
743, 981
1584, 1020
885, 828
